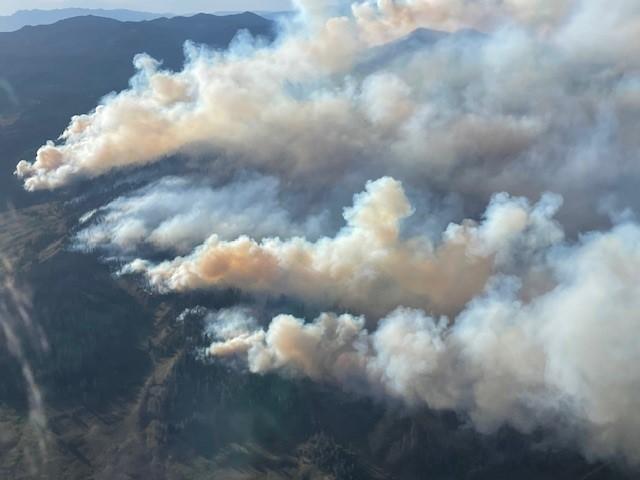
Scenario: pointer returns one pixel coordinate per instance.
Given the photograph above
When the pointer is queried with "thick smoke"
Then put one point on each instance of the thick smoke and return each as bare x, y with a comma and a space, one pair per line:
368, 266
566, 356
386, 20
538, 103
179, 213
511, 317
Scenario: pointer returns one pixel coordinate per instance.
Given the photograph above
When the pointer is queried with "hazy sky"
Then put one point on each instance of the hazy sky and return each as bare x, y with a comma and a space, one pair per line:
173, 6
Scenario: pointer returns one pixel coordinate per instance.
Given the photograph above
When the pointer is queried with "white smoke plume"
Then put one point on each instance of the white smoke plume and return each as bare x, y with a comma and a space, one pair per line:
368, 266
178, 213
566, 356
538, 103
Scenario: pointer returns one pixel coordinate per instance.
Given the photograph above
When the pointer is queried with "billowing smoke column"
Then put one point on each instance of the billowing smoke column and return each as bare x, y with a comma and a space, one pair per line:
510, 317
565, 357
368, 266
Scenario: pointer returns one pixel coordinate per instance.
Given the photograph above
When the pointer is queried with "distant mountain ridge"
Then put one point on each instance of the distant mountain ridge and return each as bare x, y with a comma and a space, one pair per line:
271, 15
162, 38
23, 18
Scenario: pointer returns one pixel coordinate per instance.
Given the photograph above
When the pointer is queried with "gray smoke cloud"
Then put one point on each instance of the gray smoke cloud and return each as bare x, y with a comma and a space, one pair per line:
177, 214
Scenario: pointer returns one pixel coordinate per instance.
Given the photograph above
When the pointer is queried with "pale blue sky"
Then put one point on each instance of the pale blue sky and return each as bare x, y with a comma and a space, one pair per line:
173, 6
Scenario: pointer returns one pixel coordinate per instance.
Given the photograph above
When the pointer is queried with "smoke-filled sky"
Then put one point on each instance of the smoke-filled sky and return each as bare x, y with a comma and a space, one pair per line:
453, 183
163, 6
